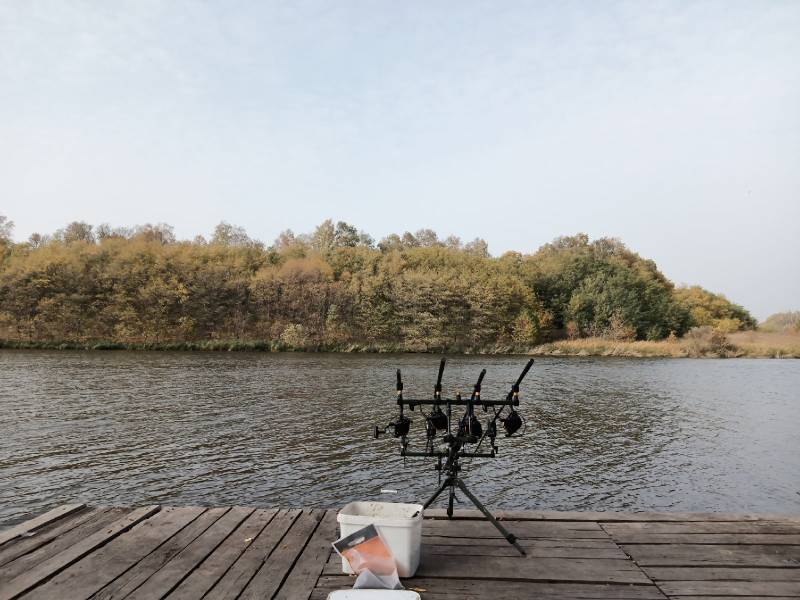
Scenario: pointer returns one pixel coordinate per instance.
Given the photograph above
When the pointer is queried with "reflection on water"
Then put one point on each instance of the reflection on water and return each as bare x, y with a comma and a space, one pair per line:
294, 429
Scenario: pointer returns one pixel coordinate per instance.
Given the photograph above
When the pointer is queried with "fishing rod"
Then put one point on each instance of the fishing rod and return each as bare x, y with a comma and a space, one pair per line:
514, 421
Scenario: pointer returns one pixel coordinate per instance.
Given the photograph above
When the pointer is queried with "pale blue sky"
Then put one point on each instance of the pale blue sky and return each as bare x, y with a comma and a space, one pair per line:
674, 126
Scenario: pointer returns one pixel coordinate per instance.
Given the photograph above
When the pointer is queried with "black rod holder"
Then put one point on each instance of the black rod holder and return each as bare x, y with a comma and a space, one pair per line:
459, 402
458, 444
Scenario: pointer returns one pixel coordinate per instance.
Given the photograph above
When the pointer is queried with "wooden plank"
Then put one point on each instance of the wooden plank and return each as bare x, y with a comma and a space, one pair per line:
733, 597
251, 560
62, 543
477, 549
722, 555
534, 568
97, 570
570, 555
138, 574
301, 580
522, 529
31, 541
215, 566
460, 550
270, 576
43, 571
721, 574
475, 589
334, 565
176, 570
611, 517
600, 543
37, 522
761, 539
523, 568
731, 588
620, 530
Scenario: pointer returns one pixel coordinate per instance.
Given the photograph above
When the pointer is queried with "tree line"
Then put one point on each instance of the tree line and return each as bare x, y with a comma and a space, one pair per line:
336, 288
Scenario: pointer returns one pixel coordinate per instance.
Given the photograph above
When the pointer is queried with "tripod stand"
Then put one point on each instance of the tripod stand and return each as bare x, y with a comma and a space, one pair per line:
469, 431
453, 481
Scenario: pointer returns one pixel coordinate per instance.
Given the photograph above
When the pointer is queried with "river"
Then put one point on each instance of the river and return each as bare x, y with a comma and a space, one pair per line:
127, 428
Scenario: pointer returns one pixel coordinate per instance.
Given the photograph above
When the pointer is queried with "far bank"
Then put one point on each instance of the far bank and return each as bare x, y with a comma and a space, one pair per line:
708, 344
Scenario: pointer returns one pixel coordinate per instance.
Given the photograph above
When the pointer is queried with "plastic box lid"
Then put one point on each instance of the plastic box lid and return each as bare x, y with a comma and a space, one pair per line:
380, 513
373, 595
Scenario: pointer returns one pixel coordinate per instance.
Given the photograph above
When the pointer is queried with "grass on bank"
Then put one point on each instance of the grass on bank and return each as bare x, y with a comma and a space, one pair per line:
203, 346
768, 344
700, 342
707, 343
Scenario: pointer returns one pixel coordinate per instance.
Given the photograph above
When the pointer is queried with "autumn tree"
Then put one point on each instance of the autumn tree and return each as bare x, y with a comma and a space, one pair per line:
714, 310
226, 234
6, 229
77, 231
334, 288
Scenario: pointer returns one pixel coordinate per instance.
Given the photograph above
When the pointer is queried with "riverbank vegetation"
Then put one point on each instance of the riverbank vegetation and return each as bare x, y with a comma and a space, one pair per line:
785, 323
337, 289
698, 343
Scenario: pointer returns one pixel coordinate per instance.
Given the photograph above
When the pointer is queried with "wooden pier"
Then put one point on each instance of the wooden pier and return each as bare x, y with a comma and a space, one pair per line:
76, 552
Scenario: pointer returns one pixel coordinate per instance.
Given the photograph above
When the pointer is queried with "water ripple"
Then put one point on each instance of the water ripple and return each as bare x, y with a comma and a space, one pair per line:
292, 429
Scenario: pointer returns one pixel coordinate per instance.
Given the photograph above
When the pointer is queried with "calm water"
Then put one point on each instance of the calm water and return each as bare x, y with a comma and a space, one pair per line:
293, 429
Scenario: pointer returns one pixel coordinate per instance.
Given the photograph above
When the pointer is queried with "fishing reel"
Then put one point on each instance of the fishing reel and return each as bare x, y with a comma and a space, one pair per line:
435, 421
402, 425
400, 428
470, 427
512, 423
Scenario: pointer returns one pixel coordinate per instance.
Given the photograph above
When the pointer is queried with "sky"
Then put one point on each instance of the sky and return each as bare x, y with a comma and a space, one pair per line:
674, 126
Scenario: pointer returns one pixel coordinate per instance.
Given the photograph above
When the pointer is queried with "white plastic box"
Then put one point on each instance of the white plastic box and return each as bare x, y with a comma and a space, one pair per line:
400, 525
373, 595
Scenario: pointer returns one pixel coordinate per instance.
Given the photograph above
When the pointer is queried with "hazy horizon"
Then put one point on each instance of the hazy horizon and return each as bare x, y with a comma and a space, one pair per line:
672, 126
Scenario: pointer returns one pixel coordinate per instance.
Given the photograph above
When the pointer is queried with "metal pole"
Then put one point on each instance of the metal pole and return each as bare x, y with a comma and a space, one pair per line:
512, 539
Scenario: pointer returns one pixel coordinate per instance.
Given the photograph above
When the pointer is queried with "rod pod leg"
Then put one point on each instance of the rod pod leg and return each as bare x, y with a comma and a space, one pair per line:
450, 500
512, 539
433, 498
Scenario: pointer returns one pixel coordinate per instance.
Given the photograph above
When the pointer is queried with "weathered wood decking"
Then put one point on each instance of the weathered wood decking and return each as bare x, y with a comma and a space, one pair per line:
76, 552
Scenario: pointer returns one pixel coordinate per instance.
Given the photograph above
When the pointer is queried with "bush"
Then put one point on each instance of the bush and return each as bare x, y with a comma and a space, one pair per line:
715, 310
707, 341
785, 322
294, 336
618, 329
